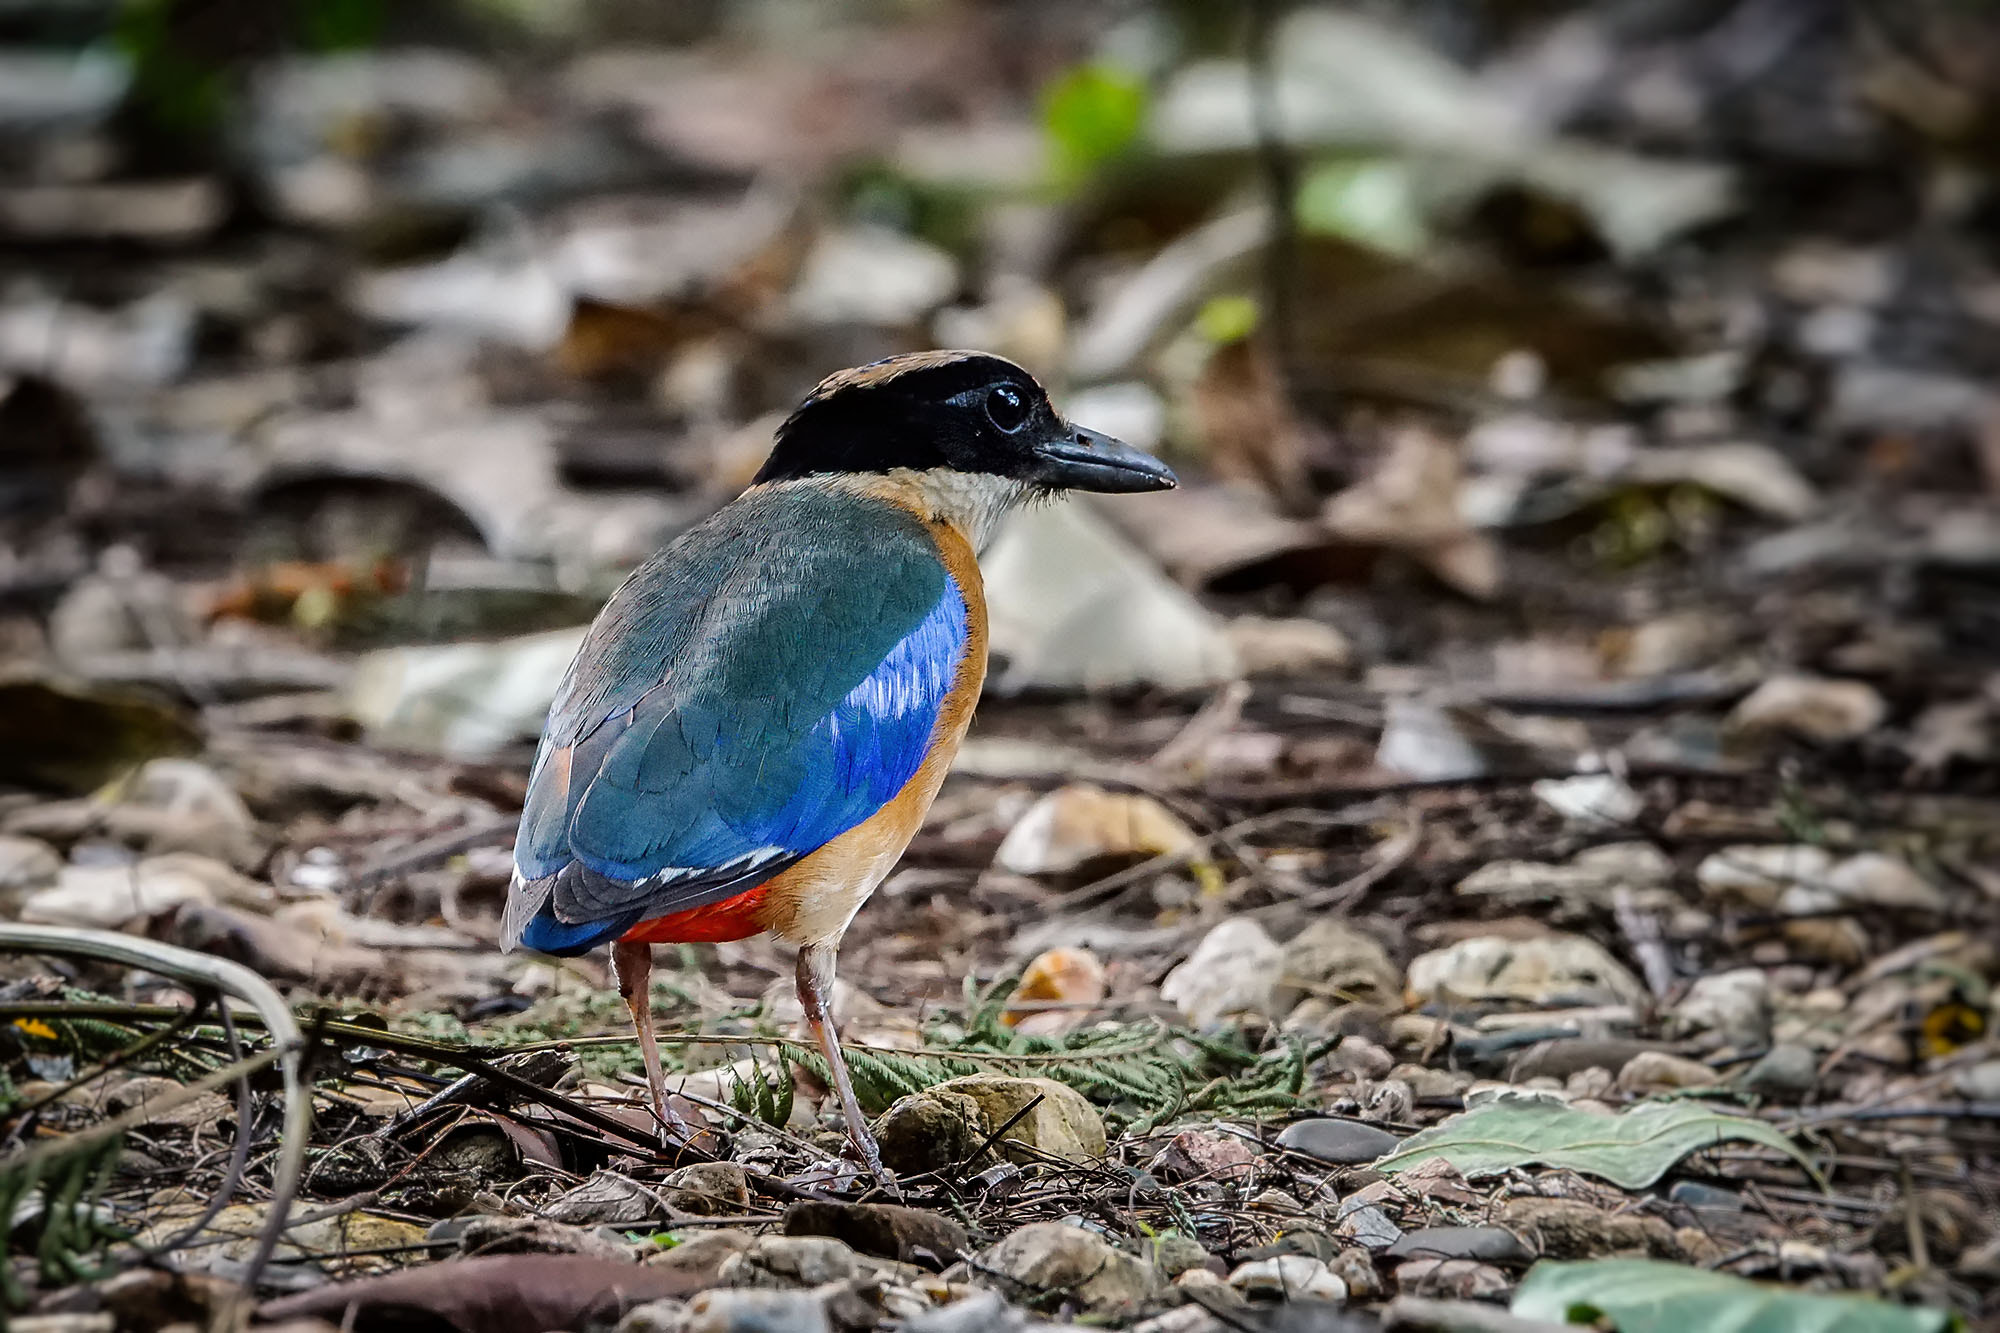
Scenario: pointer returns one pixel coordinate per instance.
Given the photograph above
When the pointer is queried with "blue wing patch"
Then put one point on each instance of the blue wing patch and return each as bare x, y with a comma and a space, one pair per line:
758, 690
769, 796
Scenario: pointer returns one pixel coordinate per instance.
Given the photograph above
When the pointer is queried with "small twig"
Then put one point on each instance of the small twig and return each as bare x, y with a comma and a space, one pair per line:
1000, 1133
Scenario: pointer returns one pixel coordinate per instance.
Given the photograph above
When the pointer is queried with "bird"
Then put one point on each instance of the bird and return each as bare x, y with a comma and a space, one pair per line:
758, 719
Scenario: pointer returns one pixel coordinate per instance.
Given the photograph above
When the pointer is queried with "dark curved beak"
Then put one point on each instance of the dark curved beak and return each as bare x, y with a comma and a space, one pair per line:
1084, 460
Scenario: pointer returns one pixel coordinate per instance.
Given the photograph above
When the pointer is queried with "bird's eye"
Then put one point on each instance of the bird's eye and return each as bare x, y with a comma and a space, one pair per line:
1005, 409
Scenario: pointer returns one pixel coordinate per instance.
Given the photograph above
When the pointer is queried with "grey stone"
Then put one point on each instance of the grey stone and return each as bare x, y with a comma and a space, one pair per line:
789, 1262
1342, 1142
1785, 1071
708, 1189
740, 1310
1052, 1256
1495, 1245
885, 1230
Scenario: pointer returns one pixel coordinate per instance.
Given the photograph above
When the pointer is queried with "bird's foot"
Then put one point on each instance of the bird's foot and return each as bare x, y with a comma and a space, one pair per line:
863, 1145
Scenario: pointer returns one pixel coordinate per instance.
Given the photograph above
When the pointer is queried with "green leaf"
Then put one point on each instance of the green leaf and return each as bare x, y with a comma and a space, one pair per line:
1633, 1149
1372, 203
1648, 1296
1091, 114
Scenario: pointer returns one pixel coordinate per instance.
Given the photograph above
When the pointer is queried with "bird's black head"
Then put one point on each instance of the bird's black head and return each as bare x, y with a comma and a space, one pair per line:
958, 411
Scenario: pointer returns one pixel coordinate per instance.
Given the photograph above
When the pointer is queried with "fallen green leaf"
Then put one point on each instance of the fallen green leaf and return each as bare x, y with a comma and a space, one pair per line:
1633, 1149
1372, 202
1649, 1296
1092, 114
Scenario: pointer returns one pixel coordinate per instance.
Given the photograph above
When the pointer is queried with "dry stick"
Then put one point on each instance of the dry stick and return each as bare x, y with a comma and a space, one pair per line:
230, 979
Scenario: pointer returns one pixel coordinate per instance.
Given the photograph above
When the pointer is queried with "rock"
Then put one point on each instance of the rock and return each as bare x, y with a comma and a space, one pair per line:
1787, 1072
1079, 824
1572, 1229
1757, 876
1694, 1194
929, 1131
1356, 1267
1332, 954
1235, 969
1733, 1005
707, 1189
1361, 1058
1365, 1224
788, 1262
1493, 1245
1536, 970
1205, 1155
1292, 646
702, 1255
943, 1125
1342, 1142
885, 1230
1451, 1280
1658, 1071
1056, 976
666, 1316
1978, 1083
1426, 1083
1174, 1254
1053, 1256
754, 1310
1822, 711
1288, 1277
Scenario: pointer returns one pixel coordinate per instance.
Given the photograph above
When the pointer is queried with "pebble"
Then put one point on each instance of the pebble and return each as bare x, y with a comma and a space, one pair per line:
1495, 1245
1659, 1071
780, 1263
1366, 1225
939, 1127
1288, 1277
1734, 1005
1451, 1279
1785, 1071
748, 1310
1053, 1256
1204, 1155
708, 1189
1234, 970
885, 1230
1341, 1142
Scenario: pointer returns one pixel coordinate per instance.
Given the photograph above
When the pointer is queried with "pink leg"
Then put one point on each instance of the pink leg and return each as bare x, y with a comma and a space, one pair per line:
633, 964
816, 998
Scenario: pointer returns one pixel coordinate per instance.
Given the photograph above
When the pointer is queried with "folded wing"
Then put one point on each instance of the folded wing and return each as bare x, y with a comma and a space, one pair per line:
753, 692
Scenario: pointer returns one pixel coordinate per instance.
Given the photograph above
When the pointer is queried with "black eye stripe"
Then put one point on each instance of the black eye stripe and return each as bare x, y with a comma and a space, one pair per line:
1006, 409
